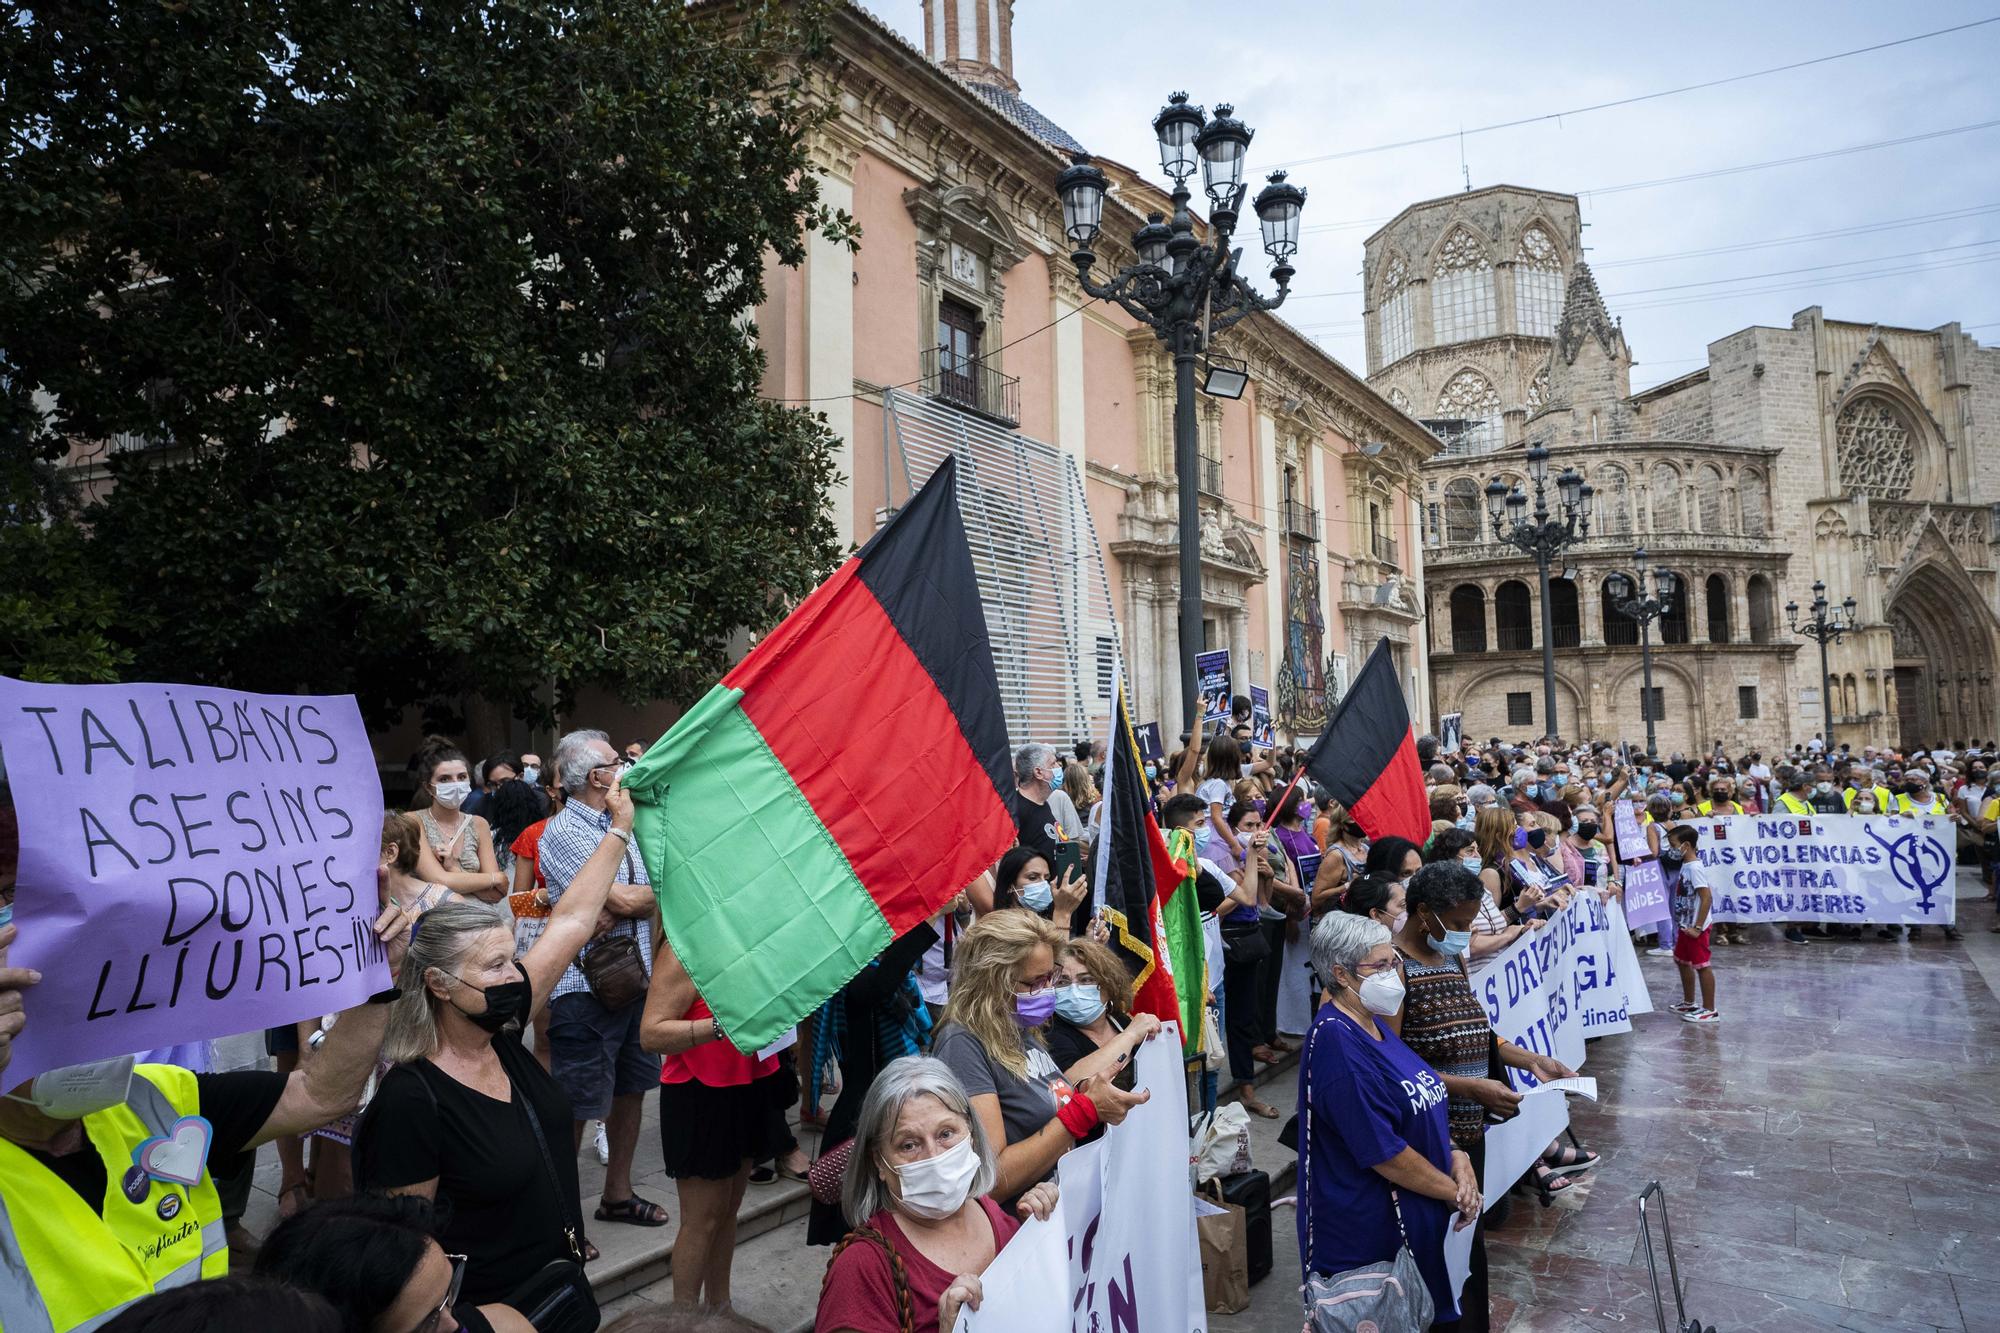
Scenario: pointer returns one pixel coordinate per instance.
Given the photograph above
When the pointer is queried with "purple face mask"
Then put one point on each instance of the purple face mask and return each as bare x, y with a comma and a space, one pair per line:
1034, 1009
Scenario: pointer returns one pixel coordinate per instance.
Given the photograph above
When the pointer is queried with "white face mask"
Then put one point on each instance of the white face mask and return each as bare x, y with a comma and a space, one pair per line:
1037, 896
1382, 993
531, 775
75, 1091
936, 1187
451, 795
1866, 807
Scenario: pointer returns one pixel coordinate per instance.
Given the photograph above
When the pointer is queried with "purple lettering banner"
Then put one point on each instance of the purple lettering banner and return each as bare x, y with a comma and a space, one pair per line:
1646, 901
194, 862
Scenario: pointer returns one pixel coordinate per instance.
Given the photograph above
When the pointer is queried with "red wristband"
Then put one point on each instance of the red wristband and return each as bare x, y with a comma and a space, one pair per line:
1078, 1114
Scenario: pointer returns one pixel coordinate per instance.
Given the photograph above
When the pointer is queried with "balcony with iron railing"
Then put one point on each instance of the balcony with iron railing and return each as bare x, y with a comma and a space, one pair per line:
1385, 551
1301, 520
972, 384
1211, 477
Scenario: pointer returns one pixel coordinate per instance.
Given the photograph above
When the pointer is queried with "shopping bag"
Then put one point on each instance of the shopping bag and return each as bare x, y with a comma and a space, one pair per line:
1225, 1252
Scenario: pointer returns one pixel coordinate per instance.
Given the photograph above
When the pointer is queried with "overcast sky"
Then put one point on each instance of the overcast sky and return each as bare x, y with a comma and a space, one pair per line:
1316, 79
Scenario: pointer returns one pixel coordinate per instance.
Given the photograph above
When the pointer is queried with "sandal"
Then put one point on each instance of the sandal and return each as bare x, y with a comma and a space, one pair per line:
1264, 1055
1568, 1158
1548, 1182
1259, 1108
304, 1199
591, 1254
635, 1210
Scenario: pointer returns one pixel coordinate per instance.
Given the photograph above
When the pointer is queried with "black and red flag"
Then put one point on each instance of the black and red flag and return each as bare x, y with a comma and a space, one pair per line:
1367, 757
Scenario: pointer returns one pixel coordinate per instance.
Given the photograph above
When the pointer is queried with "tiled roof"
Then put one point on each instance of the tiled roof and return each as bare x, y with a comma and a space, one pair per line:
1010, 105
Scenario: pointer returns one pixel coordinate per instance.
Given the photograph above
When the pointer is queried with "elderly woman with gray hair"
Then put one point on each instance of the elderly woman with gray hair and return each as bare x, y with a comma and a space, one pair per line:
1377, 1169
916, 1187
466, 1115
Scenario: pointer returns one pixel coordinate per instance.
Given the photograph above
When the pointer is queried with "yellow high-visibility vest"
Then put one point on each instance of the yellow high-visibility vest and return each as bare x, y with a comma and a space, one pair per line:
86, 1268
1884, 801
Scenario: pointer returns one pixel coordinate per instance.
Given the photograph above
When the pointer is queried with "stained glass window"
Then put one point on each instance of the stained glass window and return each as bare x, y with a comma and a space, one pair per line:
1462, 291
1302, 700
1461, 510
1398, 328
1876, 454
1470, 396
1538, 283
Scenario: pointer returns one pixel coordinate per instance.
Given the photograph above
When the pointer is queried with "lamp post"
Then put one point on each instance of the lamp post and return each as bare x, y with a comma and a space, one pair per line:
1544, 535
1826, 624
1630, 598
1187, 291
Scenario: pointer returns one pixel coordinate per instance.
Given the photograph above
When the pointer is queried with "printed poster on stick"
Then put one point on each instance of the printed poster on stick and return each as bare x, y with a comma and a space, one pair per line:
195, 862
1262, 733
1212, 670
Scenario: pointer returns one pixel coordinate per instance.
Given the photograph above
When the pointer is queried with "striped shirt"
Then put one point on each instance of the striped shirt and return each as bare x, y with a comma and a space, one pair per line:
567, 842
1444, 1023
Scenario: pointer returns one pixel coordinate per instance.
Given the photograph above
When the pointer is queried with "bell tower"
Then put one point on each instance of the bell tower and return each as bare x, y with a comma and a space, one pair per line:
973, 39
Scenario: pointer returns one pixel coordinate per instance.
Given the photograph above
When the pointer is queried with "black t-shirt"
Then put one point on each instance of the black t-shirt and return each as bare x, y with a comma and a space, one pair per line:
1208, 890
495, 1201
236, 1105
1032, 820
1069, 1043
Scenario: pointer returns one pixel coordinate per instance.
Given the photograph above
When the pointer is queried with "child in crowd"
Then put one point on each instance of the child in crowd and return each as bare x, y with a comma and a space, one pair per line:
1692, 903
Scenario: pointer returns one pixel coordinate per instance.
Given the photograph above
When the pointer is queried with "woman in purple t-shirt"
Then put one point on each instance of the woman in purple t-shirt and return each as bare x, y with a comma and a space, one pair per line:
1374, 1120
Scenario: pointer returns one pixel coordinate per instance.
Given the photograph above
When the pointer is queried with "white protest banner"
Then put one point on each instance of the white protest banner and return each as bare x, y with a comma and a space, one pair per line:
194, 862
1847, 868
1646, 897
1547, 991
1111, 1259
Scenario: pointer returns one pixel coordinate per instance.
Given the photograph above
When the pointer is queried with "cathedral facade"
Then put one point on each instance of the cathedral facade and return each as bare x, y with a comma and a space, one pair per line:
1857, 455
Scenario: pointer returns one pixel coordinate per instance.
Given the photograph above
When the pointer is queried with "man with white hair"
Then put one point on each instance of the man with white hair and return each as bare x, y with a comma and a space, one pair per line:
594, 1052
1044, 814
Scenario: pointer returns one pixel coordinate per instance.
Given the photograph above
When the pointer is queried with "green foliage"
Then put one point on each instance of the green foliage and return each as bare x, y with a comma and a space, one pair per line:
56, 611
437, 314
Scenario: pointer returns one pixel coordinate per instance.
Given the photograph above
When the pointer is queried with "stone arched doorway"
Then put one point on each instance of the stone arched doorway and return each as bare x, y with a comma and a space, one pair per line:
1944, 658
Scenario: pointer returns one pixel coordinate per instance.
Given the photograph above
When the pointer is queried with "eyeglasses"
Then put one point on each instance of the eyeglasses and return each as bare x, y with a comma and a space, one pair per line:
436, 1316
1373, 969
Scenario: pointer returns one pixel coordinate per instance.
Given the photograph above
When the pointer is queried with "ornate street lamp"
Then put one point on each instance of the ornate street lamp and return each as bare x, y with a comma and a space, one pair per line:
1544, 535
1188, 291
1631, 598
1827, 624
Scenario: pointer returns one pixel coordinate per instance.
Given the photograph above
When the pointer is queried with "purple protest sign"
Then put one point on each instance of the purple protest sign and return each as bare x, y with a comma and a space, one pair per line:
1646, 895
1625, 827
194, 862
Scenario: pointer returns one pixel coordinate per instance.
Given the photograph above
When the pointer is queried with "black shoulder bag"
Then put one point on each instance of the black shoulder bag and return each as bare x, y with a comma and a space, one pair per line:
558, 1299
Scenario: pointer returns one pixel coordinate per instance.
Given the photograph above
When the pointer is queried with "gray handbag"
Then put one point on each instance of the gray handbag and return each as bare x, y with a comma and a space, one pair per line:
1387, 1297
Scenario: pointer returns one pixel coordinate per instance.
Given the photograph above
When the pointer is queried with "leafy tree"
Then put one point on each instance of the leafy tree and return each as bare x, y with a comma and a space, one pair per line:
430, 323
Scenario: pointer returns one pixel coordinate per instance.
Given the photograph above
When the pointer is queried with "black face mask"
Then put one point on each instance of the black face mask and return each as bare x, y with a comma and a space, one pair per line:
1538, 838
1588, 832
506, 1003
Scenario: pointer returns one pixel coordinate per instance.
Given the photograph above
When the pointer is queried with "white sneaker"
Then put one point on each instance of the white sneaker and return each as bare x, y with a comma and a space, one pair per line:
1705, 1017
1657, 952
603, 1146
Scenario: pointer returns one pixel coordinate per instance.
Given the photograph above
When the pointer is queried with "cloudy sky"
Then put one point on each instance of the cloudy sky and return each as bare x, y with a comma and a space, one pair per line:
1920, 221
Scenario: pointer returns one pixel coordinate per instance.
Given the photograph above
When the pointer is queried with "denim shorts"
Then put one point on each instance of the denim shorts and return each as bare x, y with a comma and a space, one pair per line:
594, 1054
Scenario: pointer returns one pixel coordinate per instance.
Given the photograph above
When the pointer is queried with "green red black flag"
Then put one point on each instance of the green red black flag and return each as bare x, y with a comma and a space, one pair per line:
1155, 924
784, 853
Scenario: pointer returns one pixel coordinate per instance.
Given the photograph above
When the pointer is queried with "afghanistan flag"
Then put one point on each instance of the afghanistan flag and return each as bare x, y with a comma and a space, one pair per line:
1141, 891
839, 786
1368, 759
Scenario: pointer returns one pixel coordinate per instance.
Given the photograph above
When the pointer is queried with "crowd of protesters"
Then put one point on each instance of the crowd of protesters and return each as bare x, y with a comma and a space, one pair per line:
428, 1140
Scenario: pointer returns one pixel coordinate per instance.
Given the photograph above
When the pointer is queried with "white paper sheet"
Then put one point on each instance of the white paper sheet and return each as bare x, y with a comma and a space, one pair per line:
1583, 1086
1458, 1253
